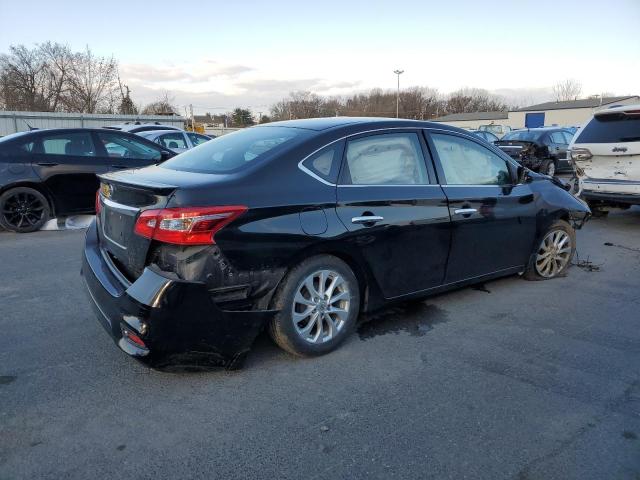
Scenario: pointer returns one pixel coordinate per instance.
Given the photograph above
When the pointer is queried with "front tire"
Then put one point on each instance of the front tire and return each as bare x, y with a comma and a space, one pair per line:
553, 254
23, 209
318, 303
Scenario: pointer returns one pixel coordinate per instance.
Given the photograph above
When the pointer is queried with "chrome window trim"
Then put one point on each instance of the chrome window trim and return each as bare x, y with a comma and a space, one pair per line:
326, 182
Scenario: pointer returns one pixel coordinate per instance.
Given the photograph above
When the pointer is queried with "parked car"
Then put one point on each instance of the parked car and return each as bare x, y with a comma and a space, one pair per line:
299, 226
176, 141
485, 135
137, 127
498, 130
606, 153
543, 150
46, 173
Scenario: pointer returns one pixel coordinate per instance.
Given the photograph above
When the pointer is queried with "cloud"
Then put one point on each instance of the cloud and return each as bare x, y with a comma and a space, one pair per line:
184, 73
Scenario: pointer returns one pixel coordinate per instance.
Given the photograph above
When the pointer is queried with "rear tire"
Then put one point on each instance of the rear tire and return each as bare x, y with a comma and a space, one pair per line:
23, 210
548, 167
553, 253
318, 303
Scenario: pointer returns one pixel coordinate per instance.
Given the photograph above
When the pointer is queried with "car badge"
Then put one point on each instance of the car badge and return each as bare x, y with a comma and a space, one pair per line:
619, 149
106, 190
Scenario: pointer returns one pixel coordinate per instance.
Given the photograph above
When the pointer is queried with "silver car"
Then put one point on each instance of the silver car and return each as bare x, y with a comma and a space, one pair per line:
176, 140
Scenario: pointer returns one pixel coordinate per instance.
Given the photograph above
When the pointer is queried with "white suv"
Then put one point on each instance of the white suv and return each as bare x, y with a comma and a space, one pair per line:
606, 154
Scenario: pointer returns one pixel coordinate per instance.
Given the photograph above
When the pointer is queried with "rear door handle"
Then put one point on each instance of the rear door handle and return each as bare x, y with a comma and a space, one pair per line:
119, 166
367, 219
465, 211
47, 164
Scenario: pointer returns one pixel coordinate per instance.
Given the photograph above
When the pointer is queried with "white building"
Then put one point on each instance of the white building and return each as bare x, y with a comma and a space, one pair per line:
571, 113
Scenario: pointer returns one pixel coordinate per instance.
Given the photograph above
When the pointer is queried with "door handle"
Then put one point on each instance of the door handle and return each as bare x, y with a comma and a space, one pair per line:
119, 166
47, 164
367, 219
465, 211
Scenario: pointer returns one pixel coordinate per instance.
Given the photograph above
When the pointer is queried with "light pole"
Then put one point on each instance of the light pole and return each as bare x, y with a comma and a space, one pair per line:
398, 72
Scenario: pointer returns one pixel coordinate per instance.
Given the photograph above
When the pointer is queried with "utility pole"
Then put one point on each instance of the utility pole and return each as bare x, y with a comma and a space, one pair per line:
259, 118
398, 73
193, 124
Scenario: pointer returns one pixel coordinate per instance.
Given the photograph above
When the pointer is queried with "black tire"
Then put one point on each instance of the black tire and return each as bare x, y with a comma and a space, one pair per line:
23, 210
532, 271
549, 167
285, 331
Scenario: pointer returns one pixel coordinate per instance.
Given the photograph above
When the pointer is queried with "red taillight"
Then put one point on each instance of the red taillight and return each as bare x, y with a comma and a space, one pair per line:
186, 225
132, 337
98, 205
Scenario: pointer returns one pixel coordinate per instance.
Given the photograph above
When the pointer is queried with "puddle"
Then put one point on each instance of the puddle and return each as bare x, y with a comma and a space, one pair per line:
414, 318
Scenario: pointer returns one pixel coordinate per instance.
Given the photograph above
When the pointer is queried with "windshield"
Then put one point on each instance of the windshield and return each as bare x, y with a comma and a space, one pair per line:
234, 151
523, 135
611, 128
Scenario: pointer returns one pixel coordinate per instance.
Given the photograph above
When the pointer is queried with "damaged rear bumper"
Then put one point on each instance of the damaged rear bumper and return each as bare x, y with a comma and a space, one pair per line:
164, 321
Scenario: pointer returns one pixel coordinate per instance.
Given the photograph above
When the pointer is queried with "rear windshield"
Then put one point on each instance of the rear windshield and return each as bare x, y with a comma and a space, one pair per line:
611, 128
234, 151
523, 136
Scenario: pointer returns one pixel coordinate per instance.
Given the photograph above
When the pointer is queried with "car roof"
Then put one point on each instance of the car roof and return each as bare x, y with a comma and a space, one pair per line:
618, 108
326, 123
160, 131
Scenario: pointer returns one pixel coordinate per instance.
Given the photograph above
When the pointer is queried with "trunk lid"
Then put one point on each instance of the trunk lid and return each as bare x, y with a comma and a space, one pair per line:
610, 161
123, 196
514, 148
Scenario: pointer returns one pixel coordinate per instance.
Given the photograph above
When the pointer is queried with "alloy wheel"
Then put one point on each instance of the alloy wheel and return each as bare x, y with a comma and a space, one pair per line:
554, 253
23, 210
321, 306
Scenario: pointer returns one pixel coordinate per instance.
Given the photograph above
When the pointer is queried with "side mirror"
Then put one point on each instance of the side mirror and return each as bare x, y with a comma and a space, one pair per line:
164, 155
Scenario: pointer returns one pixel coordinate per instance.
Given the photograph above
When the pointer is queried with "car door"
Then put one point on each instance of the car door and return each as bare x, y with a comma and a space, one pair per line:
492, 219
67, 163
121, 151
558, 147
396, 213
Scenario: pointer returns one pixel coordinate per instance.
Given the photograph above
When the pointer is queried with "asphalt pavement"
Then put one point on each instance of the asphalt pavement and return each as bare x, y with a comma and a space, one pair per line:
506, 380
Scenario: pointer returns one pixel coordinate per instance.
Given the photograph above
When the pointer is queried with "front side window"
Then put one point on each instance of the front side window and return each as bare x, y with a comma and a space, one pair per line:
173, 140
387, 159
465, 162
120, 146
197, 139
73, 144
234, 151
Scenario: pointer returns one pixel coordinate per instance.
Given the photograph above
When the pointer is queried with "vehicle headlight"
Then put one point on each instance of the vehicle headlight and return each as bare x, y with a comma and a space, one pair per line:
580, 154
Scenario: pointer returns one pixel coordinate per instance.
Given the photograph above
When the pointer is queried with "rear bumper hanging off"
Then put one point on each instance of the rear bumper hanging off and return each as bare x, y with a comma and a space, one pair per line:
162, 320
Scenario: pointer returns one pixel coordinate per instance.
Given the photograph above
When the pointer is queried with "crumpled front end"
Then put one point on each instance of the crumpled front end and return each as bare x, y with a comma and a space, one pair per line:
164, 321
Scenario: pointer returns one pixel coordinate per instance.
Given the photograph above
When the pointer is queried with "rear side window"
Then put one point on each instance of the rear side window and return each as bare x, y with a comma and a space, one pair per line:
558, 137
236, 150
122, 146
326, 162
611, 128
387, 159
467, 163
173, 140
73, 144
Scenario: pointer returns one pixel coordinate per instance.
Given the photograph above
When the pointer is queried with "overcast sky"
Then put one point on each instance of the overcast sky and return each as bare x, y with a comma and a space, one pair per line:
219, 55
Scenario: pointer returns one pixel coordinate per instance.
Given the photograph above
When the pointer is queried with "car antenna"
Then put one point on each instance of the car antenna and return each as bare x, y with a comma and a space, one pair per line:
30, 127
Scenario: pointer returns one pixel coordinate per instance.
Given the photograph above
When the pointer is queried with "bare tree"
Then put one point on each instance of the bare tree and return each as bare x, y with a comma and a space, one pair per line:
92, 82
162, 106
59, 63
474, 100
23, 79
569, 89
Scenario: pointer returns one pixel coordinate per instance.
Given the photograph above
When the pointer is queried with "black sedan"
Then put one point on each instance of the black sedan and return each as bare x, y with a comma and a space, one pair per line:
46, 173
543, 150
299, 226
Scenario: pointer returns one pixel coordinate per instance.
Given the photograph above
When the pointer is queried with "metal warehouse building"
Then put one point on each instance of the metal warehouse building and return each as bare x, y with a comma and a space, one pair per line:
566, 114
11, 122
